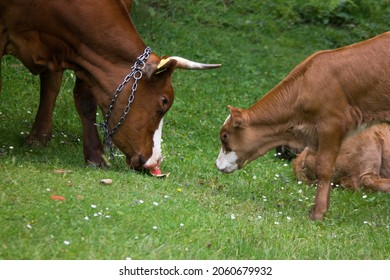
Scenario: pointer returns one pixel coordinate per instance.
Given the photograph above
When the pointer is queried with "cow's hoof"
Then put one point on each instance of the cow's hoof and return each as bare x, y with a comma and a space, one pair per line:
98, 162
38, 139
94, 164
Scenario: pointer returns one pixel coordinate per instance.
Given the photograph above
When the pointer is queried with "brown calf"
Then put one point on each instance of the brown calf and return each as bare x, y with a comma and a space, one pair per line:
363, 161
324, 97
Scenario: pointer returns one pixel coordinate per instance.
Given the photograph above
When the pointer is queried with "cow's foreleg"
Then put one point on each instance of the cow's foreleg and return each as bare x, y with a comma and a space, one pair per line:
42, 128
328, 147
86, 107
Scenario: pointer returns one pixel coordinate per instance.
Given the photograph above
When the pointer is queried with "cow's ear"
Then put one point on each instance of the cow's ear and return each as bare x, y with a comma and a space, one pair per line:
166, 65
238, 117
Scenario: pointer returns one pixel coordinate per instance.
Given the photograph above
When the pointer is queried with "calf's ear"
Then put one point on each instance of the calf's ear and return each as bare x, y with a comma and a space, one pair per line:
238, 116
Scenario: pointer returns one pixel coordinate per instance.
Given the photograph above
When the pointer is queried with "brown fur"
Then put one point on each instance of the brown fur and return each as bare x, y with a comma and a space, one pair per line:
50, 83
363, 161
81, 36
324, 97
98, 41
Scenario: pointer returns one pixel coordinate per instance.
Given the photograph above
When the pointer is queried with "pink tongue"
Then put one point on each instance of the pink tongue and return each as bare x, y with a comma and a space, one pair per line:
157, 173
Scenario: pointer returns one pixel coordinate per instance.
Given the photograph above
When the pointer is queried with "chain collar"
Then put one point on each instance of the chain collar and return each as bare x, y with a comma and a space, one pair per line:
136, 75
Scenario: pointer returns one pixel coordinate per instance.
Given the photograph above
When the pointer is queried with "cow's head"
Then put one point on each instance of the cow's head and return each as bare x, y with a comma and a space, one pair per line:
139, 137
243, 140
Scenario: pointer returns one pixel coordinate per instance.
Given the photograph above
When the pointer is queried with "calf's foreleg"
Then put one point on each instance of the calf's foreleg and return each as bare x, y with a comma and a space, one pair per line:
329, 141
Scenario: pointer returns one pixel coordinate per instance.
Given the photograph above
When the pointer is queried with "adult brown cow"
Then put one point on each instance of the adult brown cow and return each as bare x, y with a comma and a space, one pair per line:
114, 68
50, 83
324, 97
363, 160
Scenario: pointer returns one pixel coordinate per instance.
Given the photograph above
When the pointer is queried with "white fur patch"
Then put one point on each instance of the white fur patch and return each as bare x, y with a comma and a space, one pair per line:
227, 162
228, 117
156, 158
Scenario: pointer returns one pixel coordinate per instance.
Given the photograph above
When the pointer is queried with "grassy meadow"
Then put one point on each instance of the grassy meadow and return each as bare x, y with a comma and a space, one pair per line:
260, 212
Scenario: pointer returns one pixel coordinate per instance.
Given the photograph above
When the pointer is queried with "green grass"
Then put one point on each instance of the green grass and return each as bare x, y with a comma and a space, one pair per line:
260, 212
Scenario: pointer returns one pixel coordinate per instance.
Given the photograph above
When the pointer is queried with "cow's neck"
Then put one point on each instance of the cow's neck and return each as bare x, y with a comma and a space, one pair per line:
105, 73
101, 51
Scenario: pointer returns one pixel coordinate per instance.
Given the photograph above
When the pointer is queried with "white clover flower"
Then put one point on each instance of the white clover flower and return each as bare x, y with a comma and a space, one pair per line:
155, 203
155, 227
66, 242
232, 216
93, 206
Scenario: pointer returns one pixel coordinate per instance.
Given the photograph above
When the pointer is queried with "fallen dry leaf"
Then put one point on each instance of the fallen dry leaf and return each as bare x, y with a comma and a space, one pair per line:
57, 197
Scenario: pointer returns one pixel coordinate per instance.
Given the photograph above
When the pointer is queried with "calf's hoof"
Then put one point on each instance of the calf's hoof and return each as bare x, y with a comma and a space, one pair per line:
316, 215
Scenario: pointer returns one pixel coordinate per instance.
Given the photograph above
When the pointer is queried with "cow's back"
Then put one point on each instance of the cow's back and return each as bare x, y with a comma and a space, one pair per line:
351, 82
59, 34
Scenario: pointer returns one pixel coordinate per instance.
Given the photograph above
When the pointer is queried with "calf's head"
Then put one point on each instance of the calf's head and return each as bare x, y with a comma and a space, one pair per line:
139, 136
243, 140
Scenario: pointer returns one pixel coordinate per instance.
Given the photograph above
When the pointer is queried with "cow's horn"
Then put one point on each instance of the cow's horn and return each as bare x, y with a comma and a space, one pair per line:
183, 63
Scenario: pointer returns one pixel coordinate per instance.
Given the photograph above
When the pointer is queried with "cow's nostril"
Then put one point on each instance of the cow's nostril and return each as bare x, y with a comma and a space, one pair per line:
141, 160
136, 162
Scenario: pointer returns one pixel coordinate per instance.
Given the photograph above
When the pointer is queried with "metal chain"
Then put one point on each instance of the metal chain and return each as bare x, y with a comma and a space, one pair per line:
136, 75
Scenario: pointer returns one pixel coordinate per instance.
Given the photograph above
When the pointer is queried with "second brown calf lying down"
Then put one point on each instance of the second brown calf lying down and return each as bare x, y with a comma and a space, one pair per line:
363, 160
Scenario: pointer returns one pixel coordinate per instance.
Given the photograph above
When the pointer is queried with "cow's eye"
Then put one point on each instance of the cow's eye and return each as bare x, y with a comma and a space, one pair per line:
224, 137
164, 105
164, 101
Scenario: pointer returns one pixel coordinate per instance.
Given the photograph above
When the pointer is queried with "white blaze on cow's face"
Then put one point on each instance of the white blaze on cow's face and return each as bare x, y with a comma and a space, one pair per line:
227, 159
155, 160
